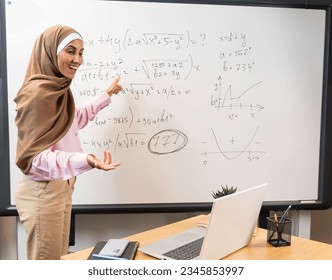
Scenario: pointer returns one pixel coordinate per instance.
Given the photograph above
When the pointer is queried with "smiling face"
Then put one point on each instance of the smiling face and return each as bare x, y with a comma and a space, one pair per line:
70, 58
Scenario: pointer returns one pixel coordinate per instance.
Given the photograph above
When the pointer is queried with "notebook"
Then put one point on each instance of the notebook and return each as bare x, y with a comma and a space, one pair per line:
231, 226
128, 254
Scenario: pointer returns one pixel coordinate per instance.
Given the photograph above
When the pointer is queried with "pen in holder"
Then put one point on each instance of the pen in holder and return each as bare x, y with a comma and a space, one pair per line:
279, 231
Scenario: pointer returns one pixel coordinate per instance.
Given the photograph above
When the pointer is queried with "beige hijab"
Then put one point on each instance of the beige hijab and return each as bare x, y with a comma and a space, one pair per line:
45, 105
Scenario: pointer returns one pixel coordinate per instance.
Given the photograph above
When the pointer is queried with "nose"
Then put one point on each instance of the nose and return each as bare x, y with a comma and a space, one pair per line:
78, 59
77, 62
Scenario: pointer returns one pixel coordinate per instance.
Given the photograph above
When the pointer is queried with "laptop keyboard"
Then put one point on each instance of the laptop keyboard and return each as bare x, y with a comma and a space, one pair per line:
188, 251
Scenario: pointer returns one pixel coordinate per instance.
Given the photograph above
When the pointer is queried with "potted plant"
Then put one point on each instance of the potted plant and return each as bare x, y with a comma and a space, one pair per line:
224, 191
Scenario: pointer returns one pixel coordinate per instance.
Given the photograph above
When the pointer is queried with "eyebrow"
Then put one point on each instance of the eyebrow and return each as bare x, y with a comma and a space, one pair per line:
72, 46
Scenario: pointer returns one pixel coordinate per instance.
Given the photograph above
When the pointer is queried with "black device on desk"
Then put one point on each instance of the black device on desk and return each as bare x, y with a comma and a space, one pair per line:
128, 254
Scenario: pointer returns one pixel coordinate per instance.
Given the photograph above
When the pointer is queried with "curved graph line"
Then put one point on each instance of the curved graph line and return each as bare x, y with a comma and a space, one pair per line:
240, 153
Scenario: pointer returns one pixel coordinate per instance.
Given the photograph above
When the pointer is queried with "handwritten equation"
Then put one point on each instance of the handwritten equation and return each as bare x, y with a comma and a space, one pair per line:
166, 67
129, 118
233, 52
162, 143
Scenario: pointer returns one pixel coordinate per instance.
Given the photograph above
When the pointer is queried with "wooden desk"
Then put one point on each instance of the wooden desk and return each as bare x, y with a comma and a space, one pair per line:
258, 249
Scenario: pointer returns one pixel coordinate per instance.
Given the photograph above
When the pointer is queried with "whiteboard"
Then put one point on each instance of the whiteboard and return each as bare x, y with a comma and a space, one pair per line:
214, 95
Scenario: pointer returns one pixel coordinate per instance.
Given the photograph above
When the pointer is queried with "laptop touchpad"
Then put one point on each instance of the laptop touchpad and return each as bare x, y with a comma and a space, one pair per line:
190, 235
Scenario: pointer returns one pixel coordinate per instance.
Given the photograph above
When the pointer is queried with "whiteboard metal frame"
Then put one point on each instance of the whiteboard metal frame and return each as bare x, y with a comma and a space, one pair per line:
324, 200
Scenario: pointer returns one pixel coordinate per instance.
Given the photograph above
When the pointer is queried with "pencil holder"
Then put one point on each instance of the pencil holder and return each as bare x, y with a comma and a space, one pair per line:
279, 233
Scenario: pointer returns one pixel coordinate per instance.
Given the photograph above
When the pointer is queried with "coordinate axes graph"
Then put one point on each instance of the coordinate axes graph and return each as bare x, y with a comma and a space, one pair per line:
250, 148
229, 100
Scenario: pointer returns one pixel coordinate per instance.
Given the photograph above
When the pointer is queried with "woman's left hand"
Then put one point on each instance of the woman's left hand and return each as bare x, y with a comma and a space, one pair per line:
103, 164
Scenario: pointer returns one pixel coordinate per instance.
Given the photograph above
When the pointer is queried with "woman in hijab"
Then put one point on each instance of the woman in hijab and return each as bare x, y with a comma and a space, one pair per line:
49, 152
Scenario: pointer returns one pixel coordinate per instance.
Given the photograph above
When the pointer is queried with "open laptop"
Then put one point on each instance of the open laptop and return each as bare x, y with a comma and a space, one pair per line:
231, 226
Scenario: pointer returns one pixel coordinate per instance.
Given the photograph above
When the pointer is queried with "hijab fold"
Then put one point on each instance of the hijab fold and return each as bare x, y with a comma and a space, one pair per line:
44, 104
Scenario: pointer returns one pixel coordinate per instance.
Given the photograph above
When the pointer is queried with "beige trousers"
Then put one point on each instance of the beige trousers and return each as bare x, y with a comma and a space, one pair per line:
44, 209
